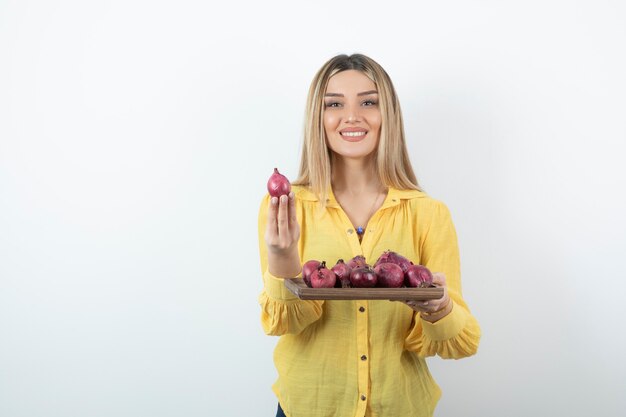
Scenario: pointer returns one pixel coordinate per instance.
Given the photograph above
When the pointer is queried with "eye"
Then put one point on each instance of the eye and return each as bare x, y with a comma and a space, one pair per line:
332, 104
370, 103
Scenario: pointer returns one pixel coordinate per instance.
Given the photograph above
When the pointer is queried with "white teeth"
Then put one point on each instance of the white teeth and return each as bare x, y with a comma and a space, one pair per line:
353, 134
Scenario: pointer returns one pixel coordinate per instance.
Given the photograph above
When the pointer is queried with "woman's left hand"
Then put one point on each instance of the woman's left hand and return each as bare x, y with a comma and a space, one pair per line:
434, 309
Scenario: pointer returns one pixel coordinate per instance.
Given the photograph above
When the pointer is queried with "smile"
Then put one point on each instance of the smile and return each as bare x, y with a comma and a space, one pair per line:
354, 134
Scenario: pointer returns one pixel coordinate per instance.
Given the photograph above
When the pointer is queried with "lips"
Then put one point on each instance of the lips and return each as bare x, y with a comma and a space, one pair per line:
353, 134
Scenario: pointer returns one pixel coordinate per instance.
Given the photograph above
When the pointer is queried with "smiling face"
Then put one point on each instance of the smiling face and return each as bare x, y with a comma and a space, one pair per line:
352, 117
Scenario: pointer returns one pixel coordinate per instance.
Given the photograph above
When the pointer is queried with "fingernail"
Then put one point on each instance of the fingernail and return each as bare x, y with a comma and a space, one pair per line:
274, 200
291, 195
283, 198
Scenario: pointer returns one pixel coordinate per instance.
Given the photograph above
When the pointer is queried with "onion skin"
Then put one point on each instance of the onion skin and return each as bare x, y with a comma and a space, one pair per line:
342, 270
357, 262
307, 269
418, 276
389, 275
278, 184
363, 277
323, 277
394, 258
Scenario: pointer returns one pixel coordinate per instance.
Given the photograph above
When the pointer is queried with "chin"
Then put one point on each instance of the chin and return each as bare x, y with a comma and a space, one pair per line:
353, 150
353, 155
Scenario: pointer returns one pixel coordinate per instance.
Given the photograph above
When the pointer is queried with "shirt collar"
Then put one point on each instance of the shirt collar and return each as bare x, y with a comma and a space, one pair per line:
394, 196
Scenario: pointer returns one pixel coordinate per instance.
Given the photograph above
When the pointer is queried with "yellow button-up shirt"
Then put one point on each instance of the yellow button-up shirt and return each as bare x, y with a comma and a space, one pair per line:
364, 358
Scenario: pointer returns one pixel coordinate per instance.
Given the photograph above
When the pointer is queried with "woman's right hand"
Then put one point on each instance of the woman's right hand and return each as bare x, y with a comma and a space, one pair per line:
281, 237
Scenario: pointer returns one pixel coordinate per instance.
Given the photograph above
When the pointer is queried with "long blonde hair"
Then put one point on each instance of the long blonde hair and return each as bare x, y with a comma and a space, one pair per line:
393, 166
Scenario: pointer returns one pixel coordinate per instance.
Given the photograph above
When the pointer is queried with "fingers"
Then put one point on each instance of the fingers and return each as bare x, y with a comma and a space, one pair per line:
293, 220
272, 210
282, 223
283, 216
427, 306
439, 279
417, 304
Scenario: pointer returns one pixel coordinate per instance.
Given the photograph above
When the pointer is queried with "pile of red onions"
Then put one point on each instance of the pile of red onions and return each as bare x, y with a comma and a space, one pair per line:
391, 270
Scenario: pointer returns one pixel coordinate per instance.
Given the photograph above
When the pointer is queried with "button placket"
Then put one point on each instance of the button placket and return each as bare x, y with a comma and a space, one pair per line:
362, 348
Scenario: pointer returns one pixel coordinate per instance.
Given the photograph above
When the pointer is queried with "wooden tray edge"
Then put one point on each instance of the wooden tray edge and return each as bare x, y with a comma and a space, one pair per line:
300, 290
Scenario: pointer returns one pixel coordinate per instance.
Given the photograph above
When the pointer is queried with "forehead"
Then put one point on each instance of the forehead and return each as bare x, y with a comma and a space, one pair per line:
349, 81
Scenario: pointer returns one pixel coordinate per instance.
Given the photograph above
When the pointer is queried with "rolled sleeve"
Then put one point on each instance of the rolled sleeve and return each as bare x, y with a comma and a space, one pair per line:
276, 289
448, 327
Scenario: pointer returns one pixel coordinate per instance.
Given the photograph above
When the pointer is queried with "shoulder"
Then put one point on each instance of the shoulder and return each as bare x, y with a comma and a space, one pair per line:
422, 205
416, 198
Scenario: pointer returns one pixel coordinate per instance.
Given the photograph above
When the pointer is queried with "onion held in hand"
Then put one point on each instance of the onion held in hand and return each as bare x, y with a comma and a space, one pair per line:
278, 184
418, 276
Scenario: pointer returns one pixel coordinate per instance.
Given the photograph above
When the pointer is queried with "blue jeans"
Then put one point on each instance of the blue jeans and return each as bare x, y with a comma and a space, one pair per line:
280, 412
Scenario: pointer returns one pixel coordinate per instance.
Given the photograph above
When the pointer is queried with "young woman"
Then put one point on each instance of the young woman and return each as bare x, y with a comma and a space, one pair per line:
357, 195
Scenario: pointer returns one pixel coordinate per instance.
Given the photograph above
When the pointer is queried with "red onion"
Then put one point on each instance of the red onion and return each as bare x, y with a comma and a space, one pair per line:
389, 275
342, 270
357, 262
278, 184
394, 258
307, 269
418, 276
323, 277
363, 277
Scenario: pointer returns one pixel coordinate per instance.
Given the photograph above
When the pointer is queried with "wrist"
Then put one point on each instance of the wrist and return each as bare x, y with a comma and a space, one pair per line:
439, 314
284, 265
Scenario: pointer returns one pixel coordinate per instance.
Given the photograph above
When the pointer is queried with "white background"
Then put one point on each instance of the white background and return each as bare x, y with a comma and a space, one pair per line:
136, 138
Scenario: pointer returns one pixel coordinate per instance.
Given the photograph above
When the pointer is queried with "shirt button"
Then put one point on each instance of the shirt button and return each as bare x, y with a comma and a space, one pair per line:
363, 397
361, 309
363, 357
350, 231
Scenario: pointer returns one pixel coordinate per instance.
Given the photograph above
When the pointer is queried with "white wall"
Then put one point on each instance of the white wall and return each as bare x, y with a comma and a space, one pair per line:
136, 138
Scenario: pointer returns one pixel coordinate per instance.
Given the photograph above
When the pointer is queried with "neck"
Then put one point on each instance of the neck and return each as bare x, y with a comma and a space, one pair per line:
355, 176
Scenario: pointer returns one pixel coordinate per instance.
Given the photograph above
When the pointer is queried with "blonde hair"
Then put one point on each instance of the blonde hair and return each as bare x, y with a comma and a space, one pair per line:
393, 166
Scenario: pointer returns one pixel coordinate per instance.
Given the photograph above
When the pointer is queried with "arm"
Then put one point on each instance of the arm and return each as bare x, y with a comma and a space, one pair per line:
456, 333
281, 311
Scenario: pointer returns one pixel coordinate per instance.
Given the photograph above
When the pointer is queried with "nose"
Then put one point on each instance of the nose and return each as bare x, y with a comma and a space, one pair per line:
352, 114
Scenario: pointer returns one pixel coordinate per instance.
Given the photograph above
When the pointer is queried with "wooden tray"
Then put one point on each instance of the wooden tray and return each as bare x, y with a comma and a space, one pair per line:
299, 288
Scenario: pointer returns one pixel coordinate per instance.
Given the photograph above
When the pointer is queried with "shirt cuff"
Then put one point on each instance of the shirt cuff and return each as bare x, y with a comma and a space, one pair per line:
448, 327
275, 288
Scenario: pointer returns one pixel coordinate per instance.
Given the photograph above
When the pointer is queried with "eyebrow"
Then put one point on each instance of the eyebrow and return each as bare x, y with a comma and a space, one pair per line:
364, 93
